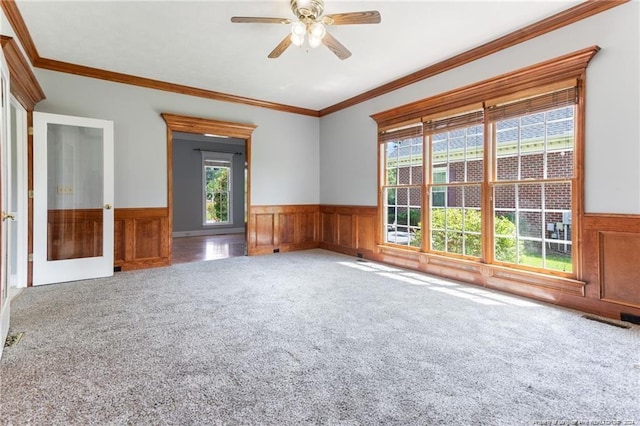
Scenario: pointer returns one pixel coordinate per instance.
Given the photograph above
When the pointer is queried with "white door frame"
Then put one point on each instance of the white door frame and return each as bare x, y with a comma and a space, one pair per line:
5, 147
19, 279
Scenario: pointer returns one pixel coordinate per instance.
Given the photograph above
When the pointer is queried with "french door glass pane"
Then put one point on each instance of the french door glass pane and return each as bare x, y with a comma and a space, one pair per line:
75, 182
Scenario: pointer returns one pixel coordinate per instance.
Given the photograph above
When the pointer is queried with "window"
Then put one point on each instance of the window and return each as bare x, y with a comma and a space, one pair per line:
490, 172
217, 176
403, 171
457, 155
533, 186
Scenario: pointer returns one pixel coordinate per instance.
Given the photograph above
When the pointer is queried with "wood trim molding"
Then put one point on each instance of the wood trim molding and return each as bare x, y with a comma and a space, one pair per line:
554, 22
24, 85
11, 11
572, 65
85, 71
181, 123
612, 242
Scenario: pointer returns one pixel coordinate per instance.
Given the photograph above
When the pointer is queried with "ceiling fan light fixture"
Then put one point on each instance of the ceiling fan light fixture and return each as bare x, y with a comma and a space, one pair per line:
298, 29
297, 40
314, 41
317, 30
311, 26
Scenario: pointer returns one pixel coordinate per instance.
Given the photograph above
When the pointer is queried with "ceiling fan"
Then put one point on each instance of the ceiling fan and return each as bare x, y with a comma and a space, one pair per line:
311, 24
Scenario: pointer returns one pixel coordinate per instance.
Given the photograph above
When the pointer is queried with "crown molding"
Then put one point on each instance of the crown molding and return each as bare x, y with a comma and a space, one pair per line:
563, 68
24, 85
559, 20
11, 11
554, 22
69, 68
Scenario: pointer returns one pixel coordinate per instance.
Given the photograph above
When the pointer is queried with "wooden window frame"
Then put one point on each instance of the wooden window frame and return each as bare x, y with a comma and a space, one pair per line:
525, 82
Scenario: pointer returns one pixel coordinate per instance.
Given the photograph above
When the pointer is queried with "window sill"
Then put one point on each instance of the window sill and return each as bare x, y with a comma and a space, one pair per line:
495, 276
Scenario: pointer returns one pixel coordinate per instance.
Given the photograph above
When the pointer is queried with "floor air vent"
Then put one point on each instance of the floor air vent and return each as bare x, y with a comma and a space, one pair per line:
605, 321
13, 339
635, 319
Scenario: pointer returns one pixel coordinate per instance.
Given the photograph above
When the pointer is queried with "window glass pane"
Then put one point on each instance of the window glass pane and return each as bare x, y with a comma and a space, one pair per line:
506, 249
558, 247
438, 240
560, 142
507, 149
529, 196
217, 196
543, 142
462, 151
557, 196
392, 176
404, 217
454, 242
456, 226
560, 164
404, 162
530, 224
532, 254
532, 166
504, 197
473, 245
391, 197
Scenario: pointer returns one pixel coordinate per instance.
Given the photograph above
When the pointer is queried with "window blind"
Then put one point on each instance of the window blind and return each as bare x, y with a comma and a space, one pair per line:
447, 124
552, 100
401, 133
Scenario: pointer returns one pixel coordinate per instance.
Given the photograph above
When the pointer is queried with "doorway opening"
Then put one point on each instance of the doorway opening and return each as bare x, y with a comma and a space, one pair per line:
209, 197
222, 216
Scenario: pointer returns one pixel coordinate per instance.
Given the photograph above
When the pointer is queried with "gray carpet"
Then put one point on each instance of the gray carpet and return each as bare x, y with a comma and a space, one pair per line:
308, 338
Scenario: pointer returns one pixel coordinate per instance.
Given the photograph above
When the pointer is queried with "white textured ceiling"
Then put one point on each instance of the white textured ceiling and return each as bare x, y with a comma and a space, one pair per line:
194, 43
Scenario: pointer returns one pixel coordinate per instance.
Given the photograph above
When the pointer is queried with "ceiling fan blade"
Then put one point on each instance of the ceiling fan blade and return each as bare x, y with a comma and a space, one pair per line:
335, 46
281, 47
259, 20
366, 17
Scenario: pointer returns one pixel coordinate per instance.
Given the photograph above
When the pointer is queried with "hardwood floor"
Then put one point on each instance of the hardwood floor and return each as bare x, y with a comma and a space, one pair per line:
208, 247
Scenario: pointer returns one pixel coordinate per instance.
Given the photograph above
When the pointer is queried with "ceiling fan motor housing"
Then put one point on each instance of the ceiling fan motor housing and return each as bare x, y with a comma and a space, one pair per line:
307, 8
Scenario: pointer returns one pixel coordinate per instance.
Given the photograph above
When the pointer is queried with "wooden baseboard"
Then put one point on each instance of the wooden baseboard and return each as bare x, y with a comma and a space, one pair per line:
609, 283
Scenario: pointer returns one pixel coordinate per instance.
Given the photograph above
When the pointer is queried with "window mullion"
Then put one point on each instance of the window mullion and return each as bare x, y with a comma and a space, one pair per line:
425, 229
487, 205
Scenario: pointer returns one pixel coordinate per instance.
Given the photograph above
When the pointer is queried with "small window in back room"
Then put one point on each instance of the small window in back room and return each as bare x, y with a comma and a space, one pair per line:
217, 184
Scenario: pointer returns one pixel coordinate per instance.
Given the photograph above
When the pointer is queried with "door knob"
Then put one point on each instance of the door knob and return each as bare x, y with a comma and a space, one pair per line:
107, 206
6, 216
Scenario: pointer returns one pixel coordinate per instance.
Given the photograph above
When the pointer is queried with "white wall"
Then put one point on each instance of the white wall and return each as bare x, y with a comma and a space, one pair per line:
284, 157
348, 144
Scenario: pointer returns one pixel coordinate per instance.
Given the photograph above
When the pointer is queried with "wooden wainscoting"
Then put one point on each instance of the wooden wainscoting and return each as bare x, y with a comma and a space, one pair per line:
73, 234
141, 238
349, 229
283, 228
611, 256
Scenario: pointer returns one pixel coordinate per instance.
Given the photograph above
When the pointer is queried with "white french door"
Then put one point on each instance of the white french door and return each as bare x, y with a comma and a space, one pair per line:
73, 198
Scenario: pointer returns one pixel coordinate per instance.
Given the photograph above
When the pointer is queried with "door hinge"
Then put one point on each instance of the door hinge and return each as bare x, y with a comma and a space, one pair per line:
31, 193
30, 131
30, 257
